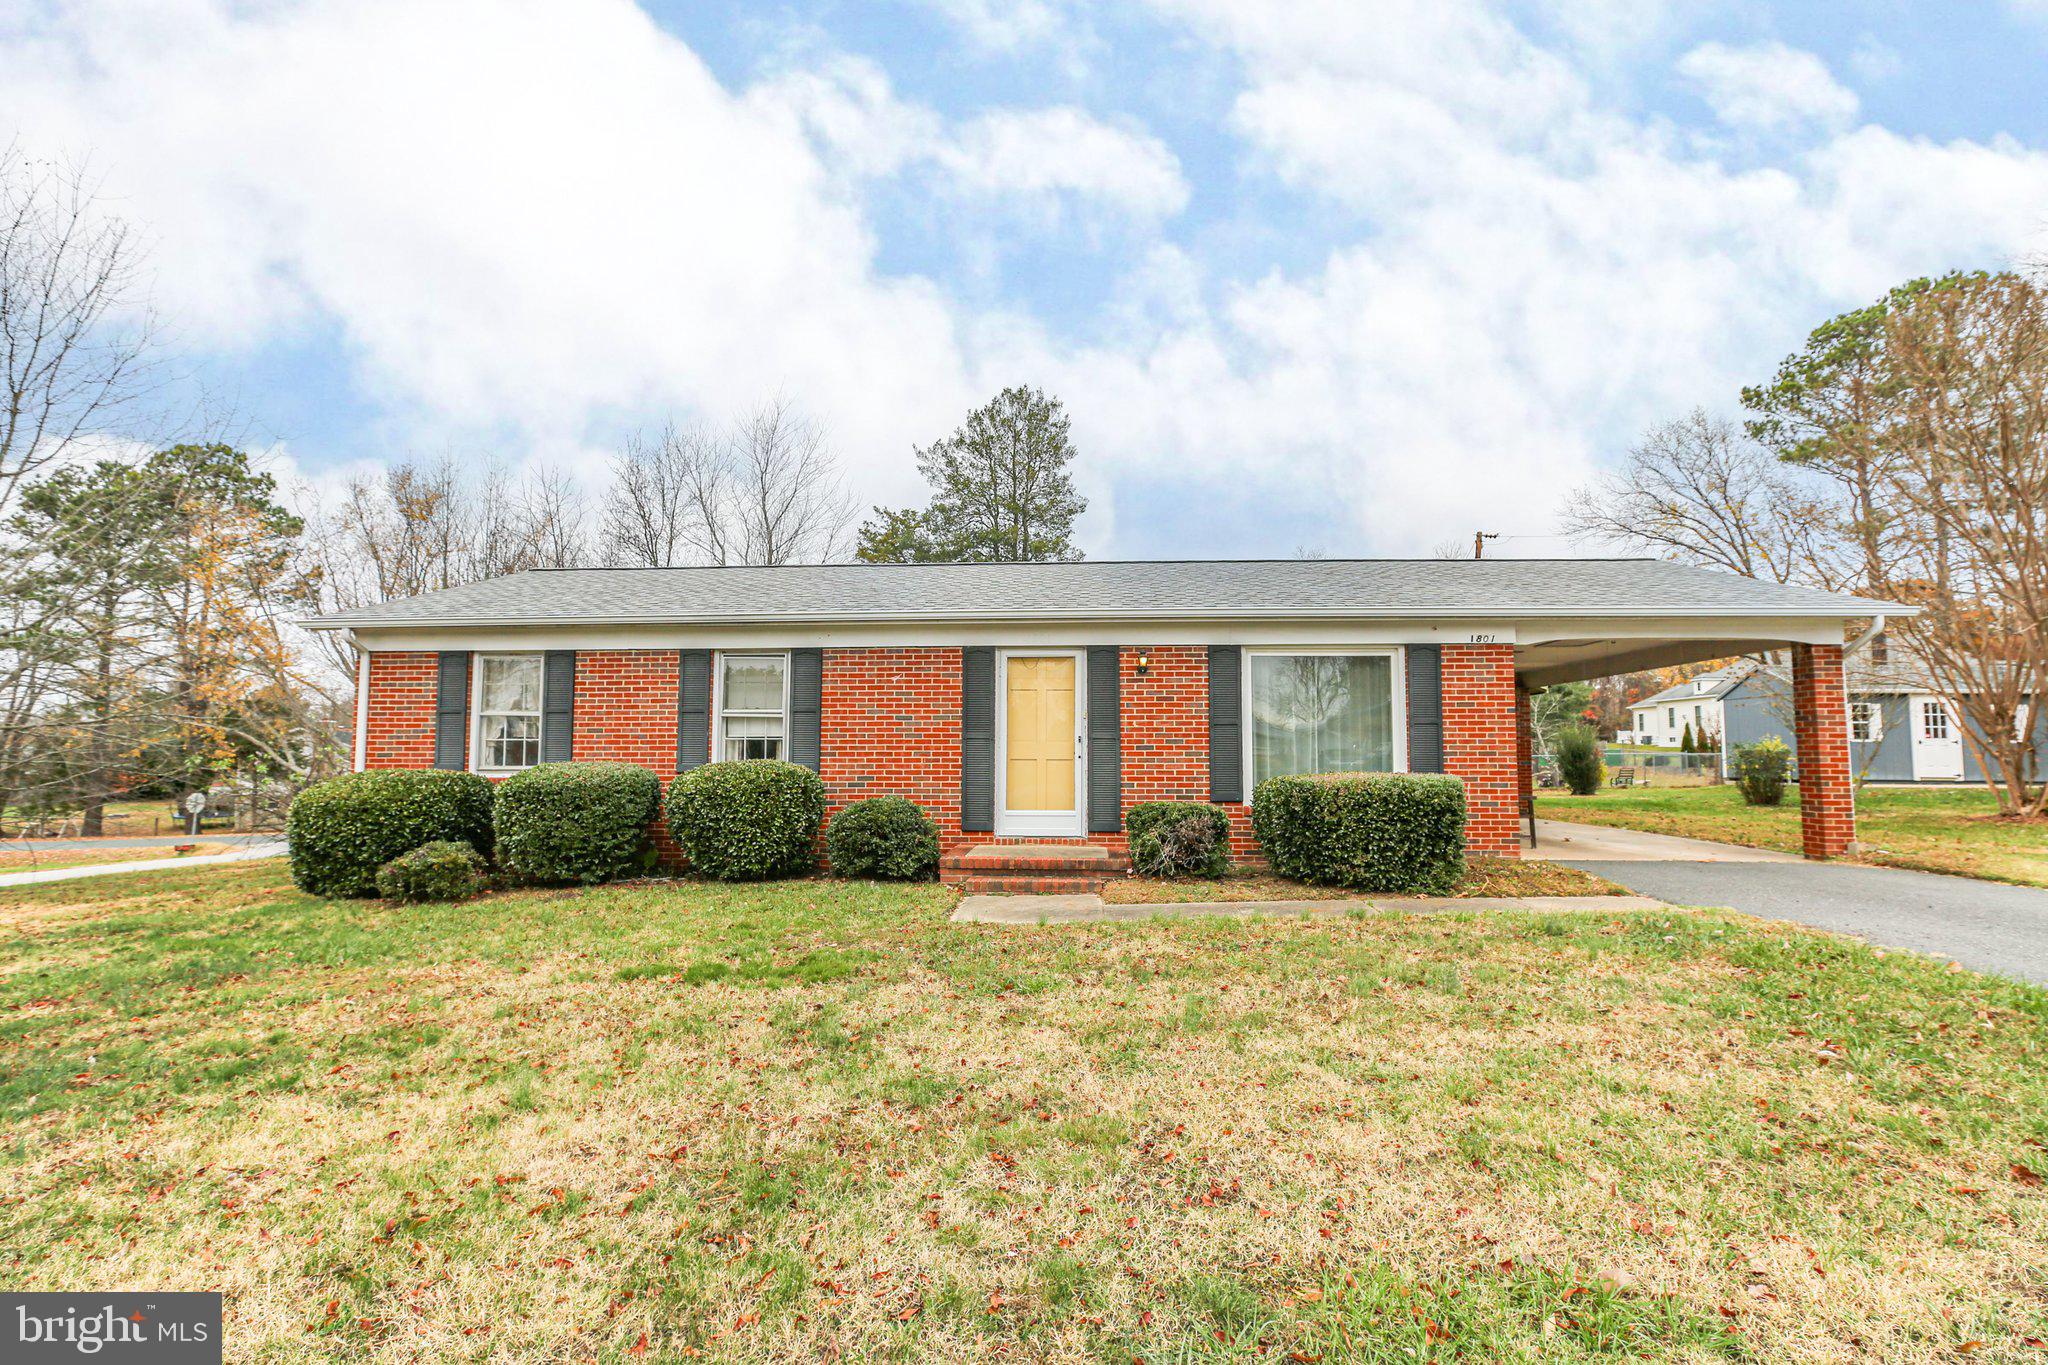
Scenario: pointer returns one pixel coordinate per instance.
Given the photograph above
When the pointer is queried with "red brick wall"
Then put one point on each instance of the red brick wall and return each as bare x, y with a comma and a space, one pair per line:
1166, 737
626, 704
399, 726
1481, 741
626, 708
1820, 722
889, 725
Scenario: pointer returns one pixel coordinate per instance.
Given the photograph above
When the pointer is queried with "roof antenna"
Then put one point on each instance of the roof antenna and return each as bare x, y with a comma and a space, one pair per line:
1479, 539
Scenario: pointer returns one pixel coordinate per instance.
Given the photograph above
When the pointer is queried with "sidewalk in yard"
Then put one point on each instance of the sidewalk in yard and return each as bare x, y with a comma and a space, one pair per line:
65, 874
1094, 910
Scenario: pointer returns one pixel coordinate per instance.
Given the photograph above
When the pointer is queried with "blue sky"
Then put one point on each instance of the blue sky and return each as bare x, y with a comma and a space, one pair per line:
1356, 277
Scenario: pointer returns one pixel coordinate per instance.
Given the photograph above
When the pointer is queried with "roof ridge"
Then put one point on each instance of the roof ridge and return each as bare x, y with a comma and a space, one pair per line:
1099, 563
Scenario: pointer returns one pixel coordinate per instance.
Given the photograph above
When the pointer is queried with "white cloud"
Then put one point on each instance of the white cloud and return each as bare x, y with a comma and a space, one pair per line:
526, 225
1048, 154
1768, 86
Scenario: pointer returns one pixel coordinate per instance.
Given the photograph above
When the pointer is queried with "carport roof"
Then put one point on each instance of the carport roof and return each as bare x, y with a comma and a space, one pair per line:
1362, 589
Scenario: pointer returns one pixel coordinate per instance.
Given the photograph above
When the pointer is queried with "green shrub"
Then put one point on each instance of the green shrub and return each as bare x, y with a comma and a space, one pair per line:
1761, 770
1374, 831
445, 870
574, 822
1578, 760
1179, 839
342, 830
743, 822
884, 837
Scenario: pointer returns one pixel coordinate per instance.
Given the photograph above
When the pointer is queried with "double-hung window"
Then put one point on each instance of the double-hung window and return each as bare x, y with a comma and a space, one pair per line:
1866, 724
1320, 713
753, 705
508, 710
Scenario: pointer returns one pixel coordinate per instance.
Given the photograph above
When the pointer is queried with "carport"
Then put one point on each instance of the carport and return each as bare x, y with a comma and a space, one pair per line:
1812, 627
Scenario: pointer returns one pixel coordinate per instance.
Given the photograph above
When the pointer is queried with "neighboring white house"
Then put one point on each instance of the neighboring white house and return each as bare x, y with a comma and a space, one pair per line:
1661, 720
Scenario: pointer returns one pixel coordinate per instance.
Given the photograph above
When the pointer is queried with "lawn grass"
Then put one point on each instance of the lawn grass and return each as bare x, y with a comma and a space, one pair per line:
1954, 830
1483, 877
817, 1120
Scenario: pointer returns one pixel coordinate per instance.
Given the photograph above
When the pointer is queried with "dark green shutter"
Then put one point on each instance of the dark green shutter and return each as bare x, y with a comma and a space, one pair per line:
978, 739
1105, 740
558, 707
693, 709
1226, 723
1425, 709
451, 710
806, 696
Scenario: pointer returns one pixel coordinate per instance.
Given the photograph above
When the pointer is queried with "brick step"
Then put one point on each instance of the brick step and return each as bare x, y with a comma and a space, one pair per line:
986, 884
1073, 859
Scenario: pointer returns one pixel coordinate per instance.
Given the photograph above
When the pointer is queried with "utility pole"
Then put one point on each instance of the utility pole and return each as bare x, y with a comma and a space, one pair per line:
1479, 539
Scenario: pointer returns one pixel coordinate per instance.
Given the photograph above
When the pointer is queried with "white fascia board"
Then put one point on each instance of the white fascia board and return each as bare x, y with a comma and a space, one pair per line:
1505, 612
784, 633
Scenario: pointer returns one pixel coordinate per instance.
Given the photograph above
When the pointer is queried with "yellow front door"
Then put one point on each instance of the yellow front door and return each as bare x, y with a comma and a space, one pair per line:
1040, 735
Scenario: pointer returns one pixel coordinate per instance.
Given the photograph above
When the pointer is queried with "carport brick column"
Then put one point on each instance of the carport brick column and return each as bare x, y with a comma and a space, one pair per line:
1482, 744
1820, 722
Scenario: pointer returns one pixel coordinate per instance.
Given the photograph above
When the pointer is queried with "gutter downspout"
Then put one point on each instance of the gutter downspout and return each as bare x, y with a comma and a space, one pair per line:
1876, 629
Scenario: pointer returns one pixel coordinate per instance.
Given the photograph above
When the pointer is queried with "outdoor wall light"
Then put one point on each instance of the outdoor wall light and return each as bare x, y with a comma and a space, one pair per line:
1144, 663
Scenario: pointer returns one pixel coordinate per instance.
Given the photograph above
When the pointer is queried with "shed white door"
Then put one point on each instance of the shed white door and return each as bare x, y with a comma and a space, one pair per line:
1937, 742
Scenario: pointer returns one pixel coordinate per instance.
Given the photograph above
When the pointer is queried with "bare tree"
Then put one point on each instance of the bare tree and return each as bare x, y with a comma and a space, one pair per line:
69, 363
1700, 491
765, 490
1964, 491
650, 512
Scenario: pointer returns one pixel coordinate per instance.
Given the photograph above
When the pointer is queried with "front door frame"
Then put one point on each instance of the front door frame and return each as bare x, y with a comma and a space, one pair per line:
1045, 824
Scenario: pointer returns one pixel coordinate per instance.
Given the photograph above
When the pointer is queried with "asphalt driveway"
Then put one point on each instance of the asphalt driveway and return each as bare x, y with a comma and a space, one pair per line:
1986, 925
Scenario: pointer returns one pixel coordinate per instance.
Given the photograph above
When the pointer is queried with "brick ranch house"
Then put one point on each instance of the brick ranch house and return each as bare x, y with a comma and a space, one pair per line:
1039, 702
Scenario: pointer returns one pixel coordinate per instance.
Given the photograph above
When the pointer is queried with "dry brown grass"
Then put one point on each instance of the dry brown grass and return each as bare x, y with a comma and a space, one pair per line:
1483, 877
818, 1121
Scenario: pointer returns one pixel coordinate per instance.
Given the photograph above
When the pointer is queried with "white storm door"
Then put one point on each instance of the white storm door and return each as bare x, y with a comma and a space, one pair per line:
1041, 729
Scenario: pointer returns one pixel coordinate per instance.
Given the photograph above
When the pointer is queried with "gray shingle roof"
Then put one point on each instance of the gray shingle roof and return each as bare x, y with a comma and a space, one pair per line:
1723, 680
1363, 588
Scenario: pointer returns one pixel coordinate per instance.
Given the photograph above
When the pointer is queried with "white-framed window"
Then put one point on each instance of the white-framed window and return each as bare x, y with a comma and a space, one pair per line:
1671, 718
1866, 722
508, 711
2022, 721
1322, 711
1933, 720
753, 706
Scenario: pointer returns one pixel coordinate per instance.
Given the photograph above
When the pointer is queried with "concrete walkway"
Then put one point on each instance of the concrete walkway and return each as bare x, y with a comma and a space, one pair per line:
136, 841
1092, 909
273, 849
1558, 841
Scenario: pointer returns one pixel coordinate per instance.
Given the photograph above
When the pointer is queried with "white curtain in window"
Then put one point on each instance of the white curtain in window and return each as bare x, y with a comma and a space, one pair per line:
1321, 713
511, 685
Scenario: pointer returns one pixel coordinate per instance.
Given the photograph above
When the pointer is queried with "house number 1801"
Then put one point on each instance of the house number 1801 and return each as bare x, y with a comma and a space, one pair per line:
1482, 639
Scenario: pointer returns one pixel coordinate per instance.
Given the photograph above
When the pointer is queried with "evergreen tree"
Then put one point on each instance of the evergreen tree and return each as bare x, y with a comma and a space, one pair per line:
1002, 492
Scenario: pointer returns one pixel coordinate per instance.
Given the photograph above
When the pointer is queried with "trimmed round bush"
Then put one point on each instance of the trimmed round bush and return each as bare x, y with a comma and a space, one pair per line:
574, 822
1761, 770
1578, 760
884, 837
1374, 831
342, 830
1179, 839
445, 870
747, 821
